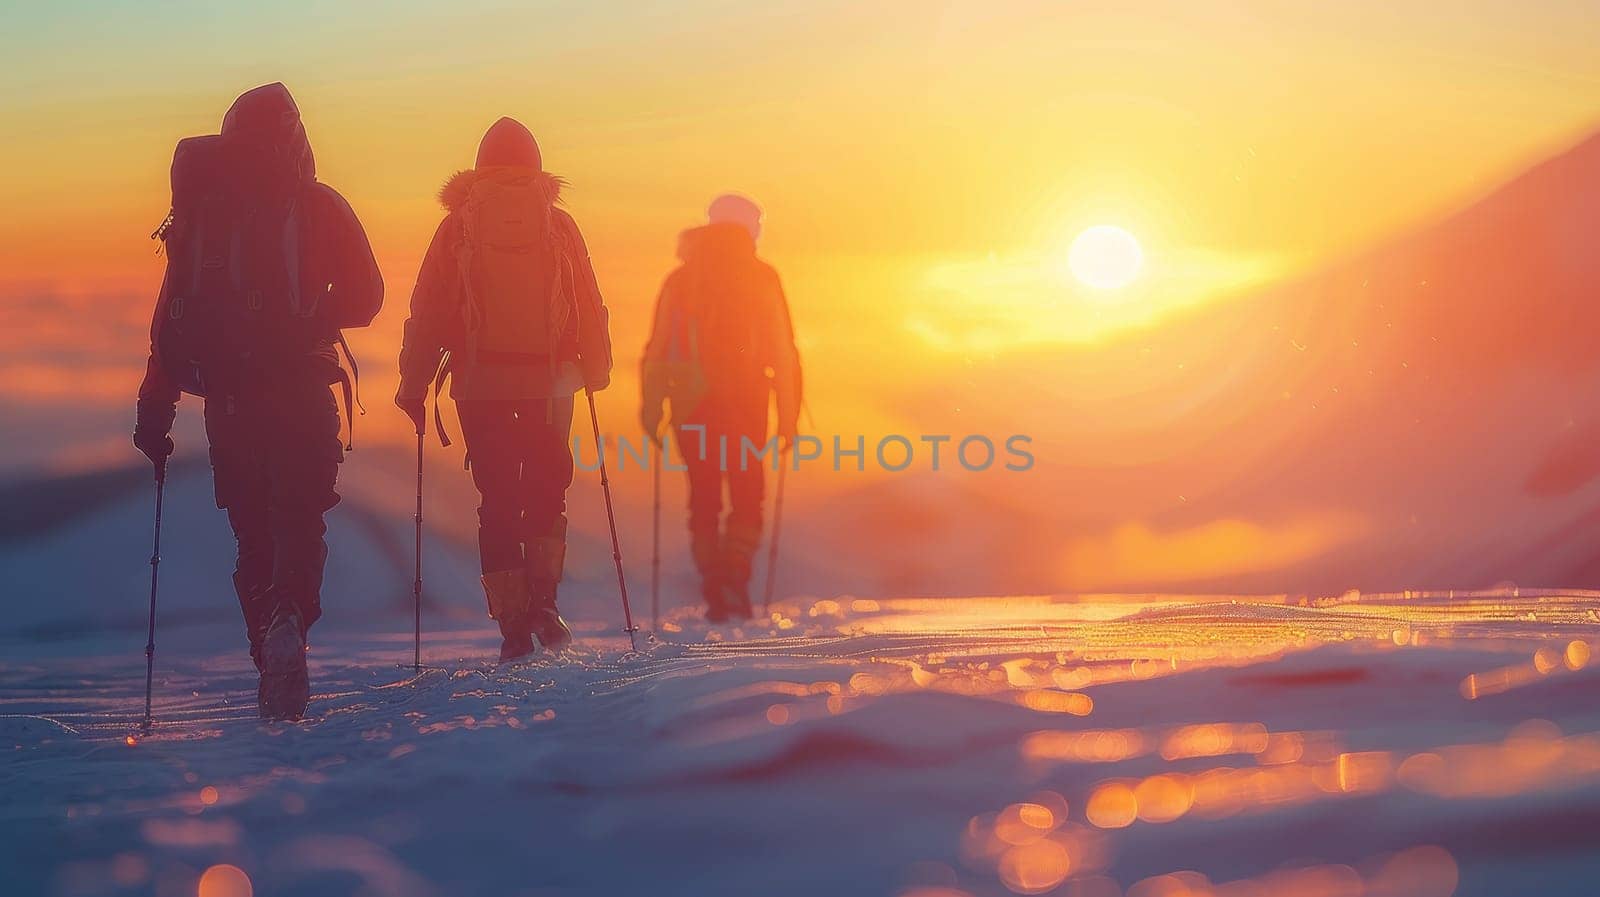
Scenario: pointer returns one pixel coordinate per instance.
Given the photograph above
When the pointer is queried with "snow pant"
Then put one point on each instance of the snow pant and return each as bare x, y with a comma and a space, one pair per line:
275, 455
724, 552
522, 465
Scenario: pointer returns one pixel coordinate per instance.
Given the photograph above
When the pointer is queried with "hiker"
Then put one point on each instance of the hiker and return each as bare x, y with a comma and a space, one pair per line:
506, 305
265, 265
722, 343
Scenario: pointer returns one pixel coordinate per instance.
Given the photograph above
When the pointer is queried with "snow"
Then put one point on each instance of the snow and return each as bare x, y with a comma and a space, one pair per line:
1419, 743
848, 746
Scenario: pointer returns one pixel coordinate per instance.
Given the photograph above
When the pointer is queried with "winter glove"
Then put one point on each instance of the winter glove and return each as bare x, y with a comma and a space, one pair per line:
158, 447
650, 419
416, 409
596, 371
152, 430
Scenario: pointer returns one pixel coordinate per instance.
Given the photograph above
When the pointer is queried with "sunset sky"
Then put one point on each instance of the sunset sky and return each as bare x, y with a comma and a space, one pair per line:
918, 143
925, 168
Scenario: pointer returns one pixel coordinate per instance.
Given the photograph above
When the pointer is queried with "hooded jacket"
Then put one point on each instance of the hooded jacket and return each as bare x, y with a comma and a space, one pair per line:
438, 315
266, 121
722, 340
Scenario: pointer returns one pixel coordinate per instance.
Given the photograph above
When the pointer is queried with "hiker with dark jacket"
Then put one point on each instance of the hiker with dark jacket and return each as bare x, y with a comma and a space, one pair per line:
507, 302
722, 345
265, 266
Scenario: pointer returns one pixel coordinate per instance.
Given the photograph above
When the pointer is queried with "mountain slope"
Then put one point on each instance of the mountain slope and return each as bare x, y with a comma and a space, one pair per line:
1429, 403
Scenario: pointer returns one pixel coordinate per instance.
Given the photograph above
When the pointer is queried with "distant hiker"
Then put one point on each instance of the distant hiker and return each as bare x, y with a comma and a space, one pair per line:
264, 267
721, 345
508, 291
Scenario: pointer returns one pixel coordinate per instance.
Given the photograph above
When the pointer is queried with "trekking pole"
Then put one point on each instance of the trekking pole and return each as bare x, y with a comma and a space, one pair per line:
416, 585
155, 570
611, 518
655, 542
777, 530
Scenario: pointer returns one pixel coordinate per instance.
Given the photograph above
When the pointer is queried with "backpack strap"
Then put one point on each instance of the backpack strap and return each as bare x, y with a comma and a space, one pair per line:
557, 294
471, 311
442, 375
351, 384
344, 382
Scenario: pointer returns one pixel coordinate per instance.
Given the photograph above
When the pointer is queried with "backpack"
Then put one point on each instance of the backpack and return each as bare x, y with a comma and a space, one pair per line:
236, 295
682, 369
515, 269
714, 332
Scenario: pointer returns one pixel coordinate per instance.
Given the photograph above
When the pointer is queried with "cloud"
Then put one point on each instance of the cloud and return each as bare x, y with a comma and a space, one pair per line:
996, 302
1135, 552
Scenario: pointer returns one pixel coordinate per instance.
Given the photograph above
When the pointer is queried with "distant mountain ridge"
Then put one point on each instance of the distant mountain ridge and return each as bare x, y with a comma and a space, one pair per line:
1440, 390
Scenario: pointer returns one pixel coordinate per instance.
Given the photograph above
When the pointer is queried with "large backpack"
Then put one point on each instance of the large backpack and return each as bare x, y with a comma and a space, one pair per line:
236, 295
682, 368
516, 271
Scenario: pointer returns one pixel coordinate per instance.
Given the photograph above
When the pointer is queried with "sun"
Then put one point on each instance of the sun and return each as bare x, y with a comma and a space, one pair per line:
1105, 257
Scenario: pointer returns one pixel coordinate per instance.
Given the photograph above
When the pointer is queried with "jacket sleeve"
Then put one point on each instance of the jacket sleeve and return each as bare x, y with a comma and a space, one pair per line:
784, 359
355, 283
158, 396
652, 367
594, 330
435, 309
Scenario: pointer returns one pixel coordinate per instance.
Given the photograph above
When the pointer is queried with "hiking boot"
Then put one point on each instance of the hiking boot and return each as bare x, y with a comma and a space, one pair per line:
545, 619
731, 585
515, 644
705, 546
546, 559
735, 601
285, 688
711, 594
726, 601
509, 605
257, 613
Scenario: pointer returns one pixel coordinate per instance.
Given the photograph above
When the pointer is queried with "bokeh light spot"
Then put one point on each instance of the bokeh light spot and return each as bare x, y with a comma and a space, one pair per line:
225, 881
1112, 805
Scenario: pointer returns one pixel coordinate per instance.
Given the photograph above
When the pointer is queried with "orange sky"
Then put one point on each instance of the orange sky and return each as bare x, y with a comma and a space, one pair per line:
924, 167
887, 137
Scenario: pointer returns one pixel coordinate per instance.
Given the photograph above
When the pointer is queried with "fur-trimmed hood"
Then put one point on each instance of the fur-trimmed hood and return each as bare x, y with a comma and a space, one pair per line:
453, 195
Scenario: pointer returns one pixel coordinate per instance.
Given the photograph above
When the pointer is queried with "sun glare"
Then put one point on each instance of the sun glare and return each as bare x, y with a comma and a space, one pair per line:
1105, 257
